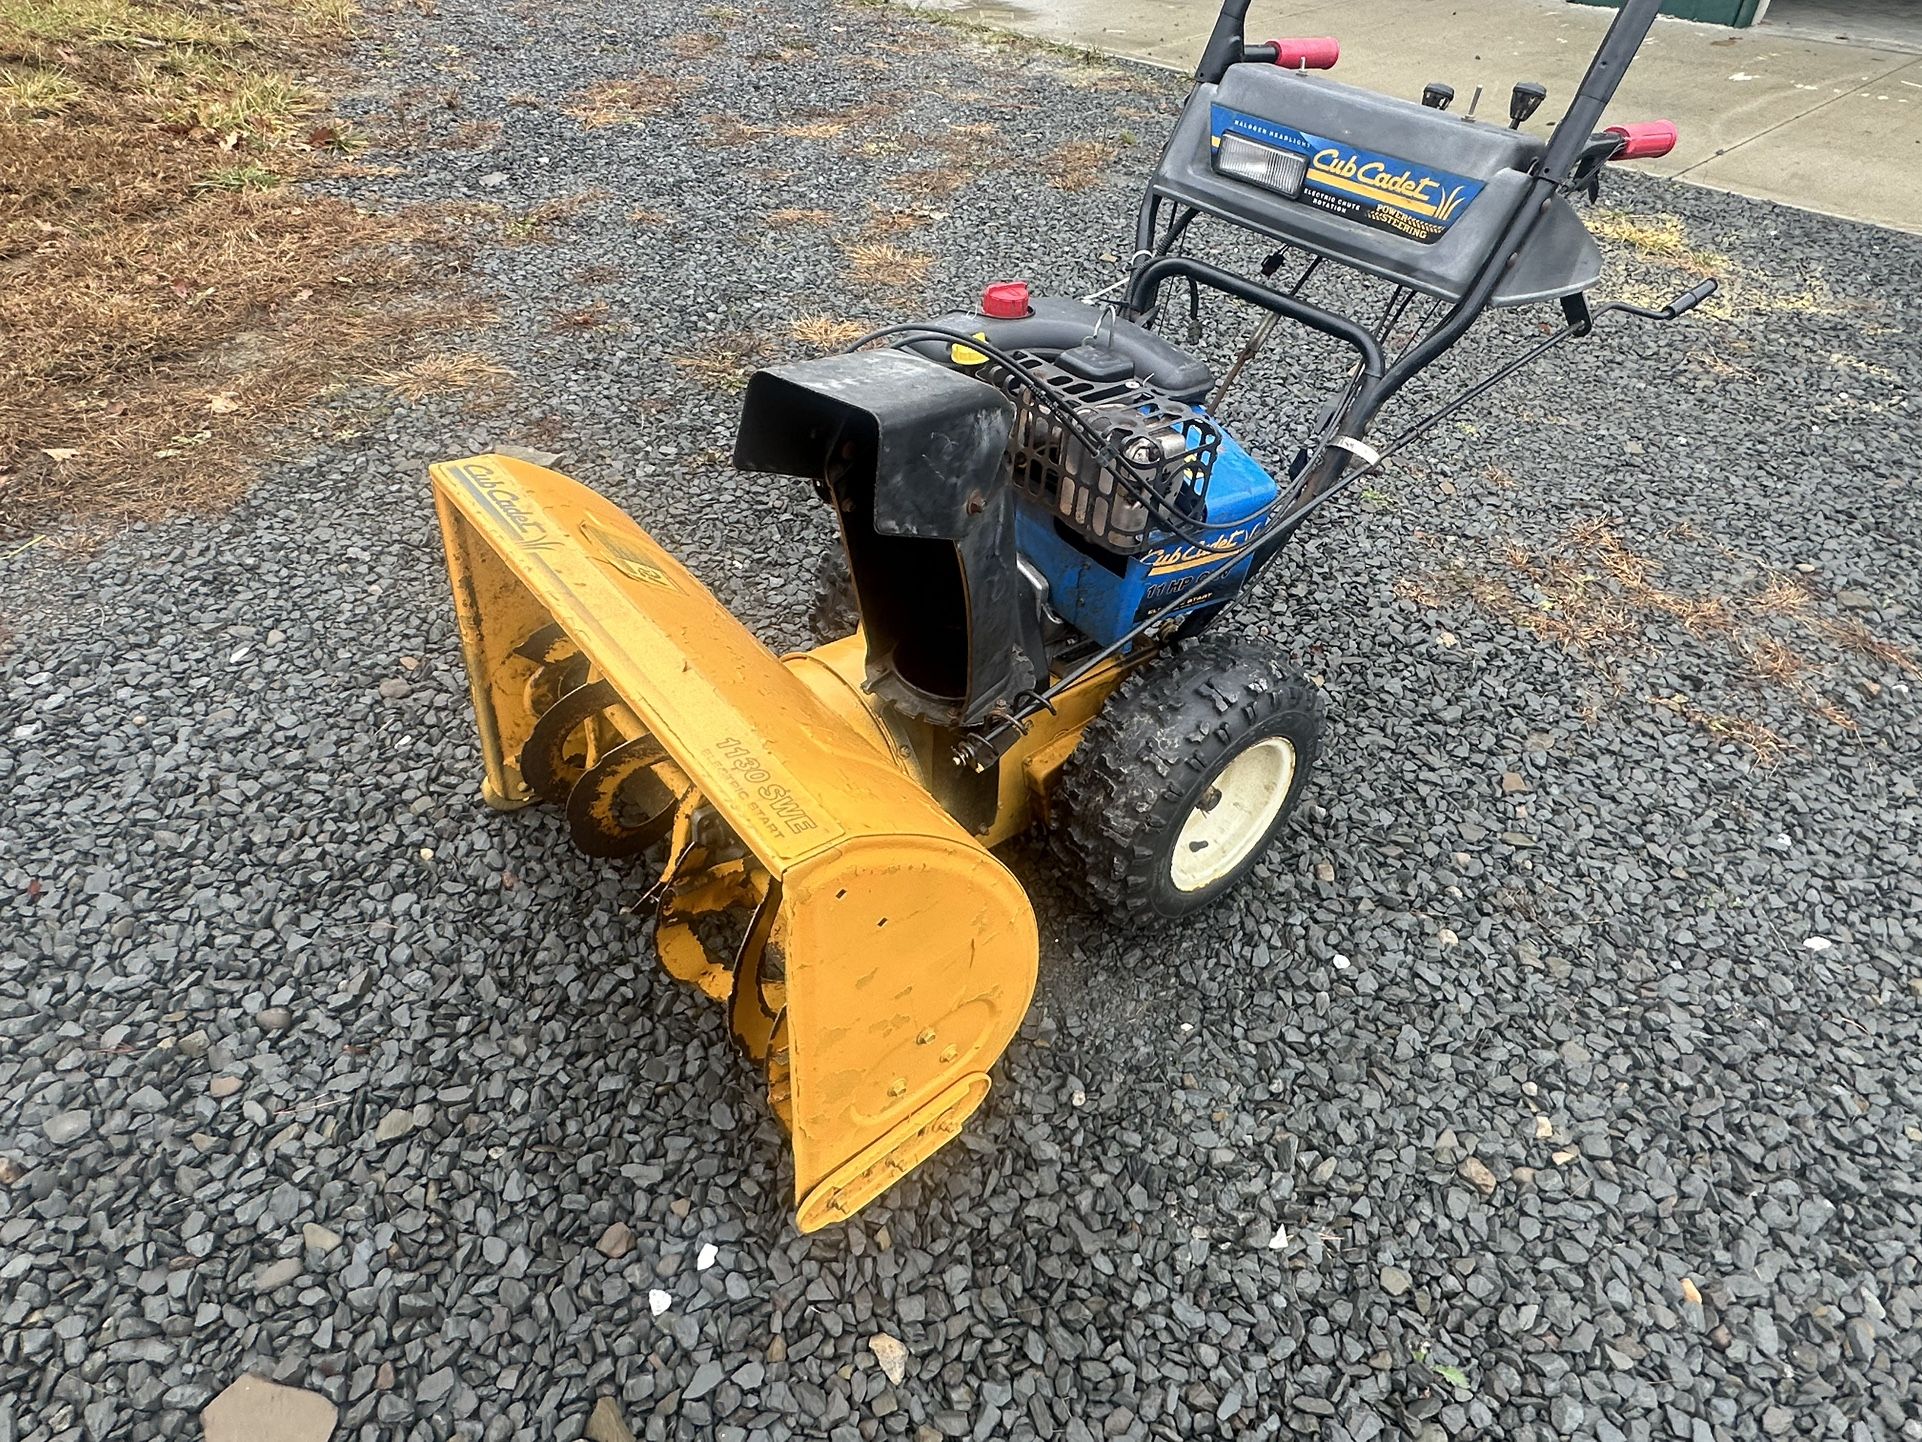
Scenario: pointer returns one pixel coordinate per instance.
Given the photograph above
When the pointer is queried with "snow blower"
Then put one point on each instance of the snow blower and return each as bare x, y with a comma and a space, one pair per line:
1042, 513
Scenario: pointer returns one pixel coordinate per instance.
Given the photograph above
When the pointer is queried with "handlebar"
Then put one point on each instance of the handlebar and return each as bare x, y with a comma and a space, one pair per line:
1318, 52
1675, 309
1644, 139
1625, 35
1683, 304
1225, 42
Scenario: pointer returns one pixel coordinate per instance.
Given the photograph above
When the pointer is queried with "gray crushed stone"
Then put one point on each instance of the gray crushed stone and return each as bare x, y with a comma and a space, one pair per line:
270, 974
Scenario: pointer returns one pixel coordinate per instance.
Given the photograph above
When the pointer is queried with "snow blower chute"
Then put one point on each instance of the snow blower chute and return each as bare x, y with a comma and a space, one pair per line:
1042, 510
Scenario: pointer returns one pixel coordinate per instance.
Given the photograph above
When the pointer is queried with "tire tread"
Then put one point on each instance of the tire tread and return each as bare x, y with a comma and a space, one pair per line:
1167, 726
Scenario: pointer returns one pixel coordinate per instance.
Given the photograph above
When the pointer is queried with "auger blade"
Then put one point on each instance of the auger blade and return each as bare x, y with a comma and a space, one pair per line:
561, 746
625, 802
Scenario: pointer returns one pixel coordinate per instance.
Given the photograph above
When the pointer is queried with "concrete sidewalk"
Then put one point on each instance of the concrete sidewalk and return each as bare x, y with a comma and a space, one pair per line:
1830, 127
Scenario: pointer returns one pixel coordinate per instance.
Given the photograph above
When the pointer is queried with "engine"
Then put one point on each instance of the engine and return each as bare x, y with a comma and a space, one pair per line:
1128, 495
1108, 458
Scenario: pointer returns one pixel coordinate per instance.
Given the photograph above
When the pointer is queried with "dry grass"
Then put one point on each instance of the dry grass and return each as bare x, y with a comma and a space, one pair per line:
593, 316
37, 92
1663, 238
969, 141
787, 52
1590, 593
170, 301
828, 122
473, 135
879, 262
1720, 367
443, 373
883, 221
1088, 74
40, 26
692, 45
931, 183
1843, 361
629, 101
1653, 256
539, 222
816, 129
1079, 164
1766, 744
979, 37
827, 332
725, 363
1587, 593
791, 216
1498, 478
725, 132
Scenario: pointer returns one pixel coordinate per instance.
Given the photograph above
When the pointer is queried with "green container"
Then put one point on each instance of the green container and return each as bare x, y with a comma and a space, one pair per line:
1714, 12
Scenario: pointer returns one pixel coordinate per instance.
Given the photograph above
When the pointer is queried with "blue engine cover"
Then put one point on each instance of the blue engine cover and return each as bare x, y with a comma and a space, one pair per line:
1103, 596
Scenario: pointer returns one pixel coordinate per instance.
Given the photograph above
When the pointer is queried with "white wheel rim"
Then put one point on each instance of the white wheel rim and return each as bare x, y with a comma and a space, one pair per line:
1236, 810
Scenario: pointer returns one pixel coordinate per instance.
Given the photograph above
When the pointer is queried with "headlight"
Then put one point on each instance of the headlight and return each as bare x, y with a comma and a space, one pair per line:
1281, 171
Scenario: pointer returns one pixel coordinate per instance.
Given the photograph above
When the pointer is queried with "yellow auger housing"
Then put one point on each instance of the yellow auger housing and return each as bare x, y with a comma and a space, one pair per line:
826, 816
885, 957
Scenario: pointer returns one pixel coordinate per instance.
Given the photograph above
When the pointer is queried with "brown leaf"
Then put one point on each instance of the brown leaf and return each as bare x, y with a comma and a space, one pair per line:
223, 404
58, 453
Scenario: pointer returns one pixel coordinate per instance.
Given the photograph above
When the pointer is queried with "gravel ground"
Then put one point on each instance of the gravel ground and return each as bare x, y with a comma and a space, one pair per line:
1557, 1077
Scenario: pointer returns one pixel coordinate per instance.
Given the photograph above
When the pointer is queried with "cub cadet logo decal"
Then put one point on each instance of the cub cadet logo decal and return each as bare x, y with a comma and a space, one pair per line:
621, 554
781, 809
1411, 199
1189, 557
498, 494
1422, 194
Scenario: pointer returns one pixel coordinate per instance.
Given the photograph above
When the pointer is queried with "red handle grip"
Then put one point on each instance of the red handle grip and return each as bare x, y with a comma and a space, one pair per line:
1645, 139
1316, 52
